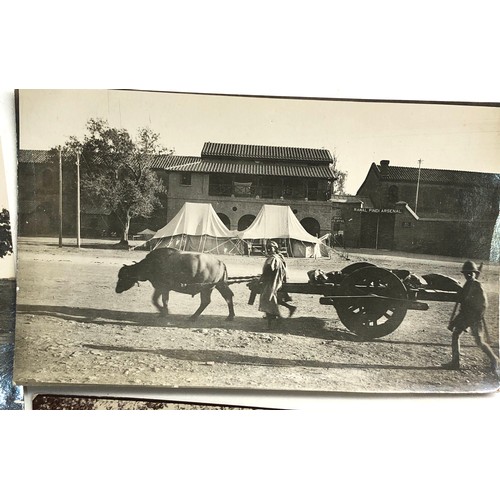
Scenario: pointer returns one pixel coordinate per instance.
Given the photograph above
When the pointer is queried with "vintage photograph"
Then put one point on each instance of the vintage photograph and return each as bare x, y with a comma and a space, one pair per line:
184, 240
58, 402
10, 395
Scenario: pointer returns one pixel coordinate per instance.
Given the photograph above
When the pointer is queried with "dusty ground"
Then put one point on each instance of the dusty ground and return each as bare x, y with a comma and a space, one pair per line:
73, 328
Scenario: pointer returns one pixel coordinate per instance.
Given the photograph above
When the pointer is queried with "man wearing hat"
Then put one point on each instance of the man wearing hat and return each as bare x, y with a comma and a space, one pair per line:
473, 303
271, 280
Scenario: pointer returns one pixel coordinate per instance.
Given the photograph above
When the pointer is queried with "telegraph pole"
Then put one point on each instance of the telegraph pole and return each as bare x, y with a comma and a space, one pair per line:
418, 184
78, 197
60, 198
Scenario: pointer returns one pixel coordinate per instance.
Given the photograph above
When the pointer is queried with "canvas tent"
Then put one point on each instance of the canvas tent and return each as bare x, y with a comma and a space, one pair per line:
197, 228
278, 222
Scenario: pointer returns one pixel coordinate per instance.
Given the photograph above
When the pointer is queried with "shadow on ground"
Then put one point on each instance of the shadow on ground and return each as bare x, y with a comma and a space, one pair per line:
300, 326
308, 327
208, 356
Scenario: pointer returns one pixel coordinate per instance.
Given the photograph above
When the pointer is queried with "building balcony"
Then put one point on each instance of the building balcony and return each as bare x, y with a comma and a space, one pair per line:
248, 190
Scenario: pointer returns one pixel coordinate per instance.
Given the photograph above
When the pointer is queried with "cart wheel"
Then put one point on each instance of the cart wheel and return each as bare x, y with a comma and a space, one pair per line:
371, 318
354, 267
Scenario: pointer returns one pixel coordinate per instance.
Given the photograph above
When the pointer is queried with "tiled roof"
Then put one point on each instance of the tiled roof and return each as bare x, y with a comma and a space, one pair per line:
265, 153
34, 156
189, 164
427, 175
175, 163
172, 162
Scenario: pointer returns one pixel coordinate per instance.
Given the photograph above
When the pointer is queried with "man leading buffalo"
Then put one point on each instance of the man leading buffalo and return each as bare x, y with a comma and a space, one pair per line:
271, 281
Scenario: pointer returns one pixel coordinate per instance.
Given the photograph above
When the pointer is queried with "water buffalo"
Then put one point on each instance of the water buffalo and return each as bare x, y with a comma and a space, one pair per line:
184, 272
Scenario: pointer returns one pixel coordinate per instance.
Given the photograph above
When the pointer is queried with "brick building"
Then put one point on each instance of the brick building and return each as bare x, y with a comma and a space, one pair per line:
239, 179
38, 199
442, 212
236, 179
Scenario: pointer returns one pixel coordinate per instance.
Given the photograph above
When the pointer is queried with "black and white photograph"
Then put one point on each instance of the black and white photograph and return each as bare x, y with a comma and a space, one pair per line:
11, 396
209, 241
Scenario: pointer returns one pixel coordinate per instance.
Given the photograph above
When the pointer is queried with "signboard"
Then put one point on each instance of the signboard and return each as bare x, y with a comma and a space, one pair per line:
379, 210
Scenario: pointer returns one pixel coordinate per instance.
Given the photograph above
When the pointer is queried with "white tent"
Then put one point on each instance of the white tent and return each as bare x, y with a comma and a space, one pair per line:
278, 222
197, 228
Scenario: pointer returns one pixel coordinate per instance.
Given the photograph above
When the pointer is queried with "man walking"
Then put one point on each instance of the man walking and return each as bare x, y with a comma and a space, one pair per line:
272, 279
473, 303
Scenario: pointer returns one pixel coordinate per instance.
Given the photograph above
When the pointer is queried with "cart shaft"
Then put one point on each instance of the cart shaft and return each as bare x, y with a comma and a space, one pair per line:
410, 304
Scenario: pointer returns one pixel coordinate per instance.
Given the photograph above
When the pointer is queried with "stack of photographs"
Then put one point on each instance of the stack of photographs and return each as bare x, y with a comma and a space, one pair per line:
198, 244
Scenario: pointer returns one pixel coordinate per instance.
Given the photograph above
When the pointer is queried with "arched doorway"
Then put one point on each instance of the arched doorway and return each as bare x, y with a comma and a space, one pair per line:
225, 220
245, 222
311, 225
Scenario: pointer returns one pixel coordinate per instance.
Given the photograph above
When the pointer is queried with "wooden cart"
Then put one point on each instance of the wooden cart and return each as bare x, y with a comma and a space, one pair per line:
371, 301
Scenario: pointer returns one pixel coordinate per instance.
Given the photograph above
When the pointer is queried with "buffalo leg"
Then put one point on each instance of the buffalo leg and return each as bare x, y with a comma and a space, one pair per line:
228, 294
205, 295
156, 296
165, 296
162, 309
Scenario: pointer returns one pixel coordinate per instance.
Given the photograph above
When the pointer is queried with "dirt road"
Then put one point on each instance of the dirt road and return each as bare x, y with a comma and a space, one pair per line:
72, 328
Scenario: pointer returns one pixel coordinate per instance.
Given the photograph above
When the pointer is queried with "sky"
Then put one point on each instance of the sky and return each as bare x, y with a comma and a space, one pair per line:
444, 136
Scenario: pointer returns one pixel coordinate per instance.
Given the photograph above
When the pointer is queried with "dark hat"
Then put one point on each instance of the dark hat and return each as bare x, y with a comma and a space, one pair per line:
470, 267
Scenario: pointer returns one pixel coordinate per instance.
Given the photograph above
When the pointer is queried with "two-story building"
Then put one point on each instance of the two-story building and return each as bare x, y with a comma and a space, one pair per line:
442, 212
236, 179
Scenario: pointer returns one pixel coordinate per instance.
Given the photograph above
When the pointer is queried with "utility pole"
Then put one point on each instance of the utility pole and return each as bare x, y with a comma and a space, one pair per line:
418, 184
60, 197
78, 197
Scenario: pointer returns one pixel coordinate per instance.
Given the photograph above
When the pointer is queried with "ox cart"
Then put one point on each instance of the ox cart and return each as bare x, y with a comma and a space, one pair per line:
371, 301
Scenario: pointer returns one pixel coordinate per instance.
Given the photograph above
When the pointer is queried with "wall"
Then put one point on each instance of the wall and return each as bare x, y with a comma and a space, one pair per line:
38, 212
454, 220
452, 237
350, 224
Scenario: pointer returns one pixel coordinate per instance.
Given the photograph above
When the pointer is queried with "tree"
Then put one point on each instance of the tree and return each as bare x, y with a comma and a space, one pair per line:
341, 176
339, 183
116, 171
5, 233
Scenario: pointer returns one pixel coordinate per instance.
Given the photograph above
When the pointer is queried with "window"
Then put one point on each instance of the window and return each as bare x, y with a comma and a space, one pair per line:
220, 184
393, 194
225, 220
311, 225
312, 189
186, 179
245, 222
